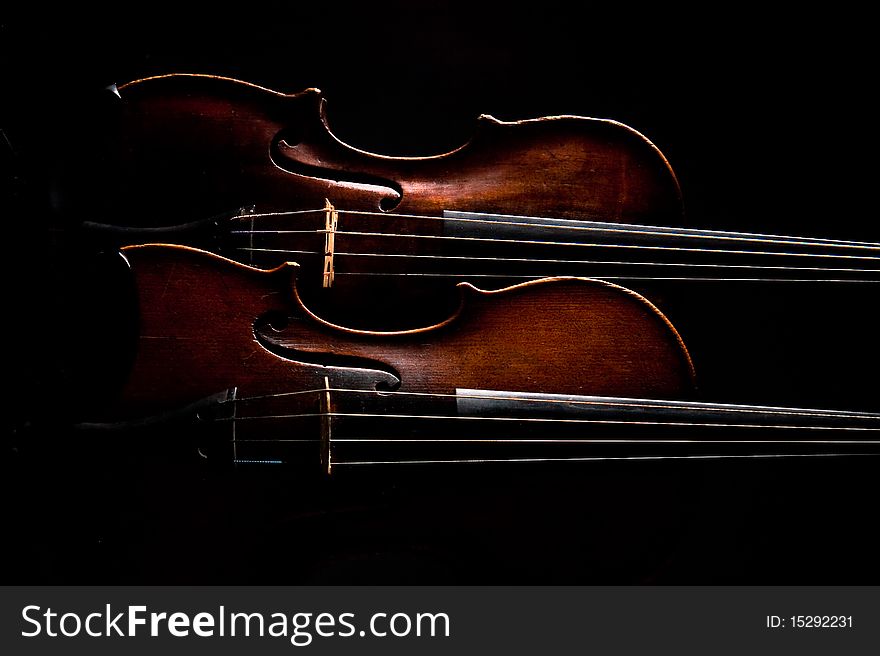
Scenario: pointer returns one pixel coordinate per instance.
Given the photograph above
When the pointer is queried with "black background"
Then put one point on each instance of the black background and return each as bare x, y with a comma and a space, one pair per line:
766, 117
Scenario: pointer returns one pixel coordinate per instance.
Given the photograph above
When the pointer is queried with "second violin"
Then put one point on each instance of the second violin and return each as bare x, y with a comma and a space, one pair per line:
557, 369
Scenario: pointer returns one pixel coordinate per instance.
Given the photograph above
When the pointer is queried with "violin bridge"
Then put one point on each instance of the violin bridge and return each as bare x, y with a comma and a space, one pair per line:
331, 220
325, 411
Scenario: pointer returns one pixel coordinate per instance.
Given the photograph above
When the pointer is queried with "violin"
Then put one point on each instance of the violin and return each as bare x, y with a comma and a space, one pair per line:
215, 145
257, 176
558, 369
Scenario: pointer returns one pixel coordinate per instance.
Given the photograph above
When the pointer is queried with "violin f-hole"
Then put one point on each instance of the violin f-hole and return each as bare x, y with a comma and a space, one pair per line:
272, 332
297, 157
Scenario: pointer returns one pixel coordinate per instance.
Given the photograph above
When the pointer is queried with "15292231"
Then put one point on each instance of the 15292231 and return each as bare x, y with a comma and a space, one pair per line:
810, 622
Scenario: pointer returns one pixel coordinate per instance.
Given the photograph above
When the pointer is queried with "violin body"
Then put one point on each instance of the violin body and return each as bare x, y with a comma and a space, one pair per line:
208, 324
192, 146
562, 368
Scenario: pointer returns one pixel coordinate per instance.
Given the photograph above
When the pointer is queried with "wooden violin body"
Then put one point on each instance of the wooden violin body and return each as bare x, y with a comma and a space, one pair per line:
189, 147
555, 196
564, 368
208, 324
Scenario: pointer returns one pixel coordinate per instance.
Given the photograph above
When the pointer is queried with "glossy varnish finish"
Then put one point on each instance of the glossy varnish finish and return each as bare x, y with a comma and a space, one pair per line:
213, 144
209, 324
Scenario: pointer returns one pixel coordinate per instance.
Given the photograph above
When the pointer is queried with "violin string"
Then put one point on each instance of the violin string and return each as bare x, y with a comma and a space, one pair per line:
654, 231
575, 441
537, 242
383, 440
554, 261
596, 459
639, 230
548, 420
609, 402
732, 236
247, 215
466, 276
644, 230
604, 262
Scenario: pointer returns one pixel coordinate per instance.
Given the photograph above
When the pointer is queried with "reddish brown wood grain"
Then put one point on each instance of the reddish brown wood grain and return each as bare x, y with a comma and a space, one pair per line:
199, 313
216, 143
